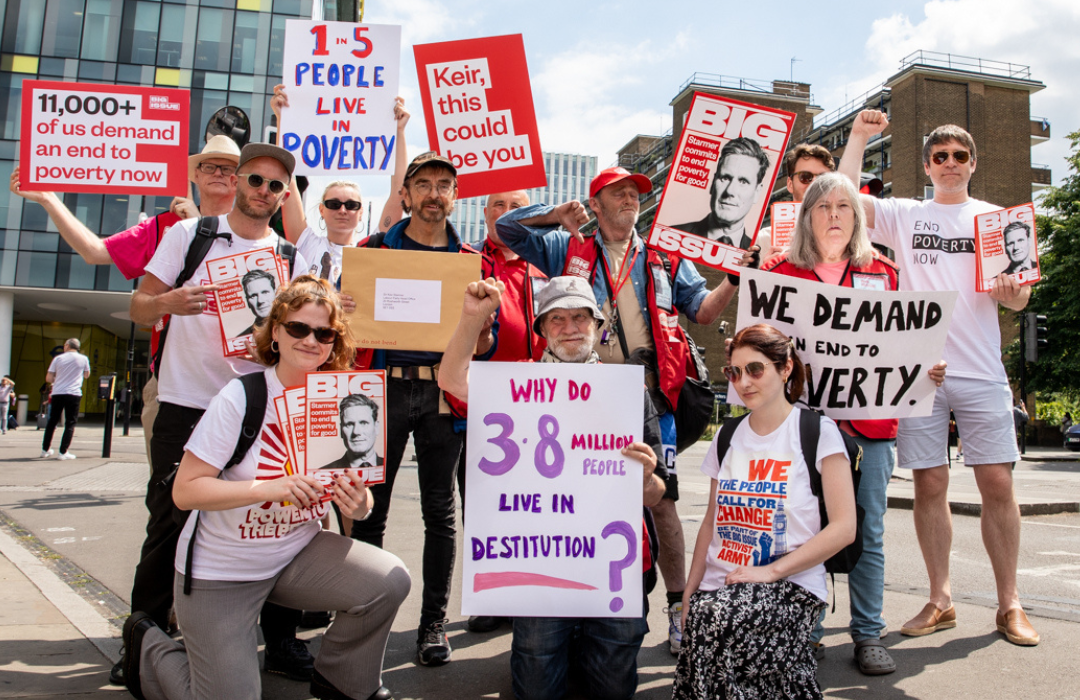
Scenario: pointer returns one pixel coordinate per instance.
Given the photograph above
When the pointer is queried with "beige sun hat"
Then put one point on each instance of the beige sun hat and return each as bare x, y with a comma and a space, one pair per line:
220, 146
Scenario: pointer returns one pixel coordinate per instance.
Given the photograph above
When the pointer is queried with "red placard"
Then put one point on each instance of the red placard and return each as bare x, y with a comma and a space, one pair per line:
479, 111
105, 139
720, 180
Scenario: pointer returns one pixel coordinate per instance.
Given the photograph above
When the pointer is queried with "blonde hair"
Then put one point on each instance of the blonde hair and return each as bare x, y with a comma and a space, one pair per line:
804, 253
307, 289
342, 183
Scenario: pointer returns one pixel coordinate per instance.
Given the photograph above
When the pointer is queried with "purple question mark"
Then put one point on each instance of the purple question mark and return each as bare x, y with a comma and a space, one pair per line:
619, 527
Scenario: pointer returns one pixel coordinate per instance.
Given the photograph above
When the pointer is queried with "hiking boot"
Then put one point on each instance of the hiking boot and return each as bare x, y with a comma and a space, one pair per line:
432, 646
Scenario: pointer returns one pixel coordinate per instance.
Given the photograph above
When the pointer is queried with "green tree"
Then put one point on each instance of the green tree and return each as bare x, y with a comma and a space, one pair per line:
1057, 295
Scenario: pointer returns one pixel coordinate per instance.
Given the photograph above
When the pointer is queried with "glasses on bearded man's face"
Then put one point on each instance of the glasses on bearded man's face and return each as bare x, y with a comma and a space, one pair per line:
424, 187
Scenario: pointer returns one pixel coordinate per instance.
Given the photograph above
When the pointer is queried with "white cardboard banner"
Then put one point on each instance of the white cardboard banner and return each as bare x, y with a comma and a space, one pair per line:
553, 514
866, 352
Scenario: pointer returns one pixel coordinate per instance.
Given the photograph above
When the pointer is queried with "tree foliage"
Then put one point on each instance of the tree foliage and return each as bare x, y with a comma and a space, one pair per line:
1057, 295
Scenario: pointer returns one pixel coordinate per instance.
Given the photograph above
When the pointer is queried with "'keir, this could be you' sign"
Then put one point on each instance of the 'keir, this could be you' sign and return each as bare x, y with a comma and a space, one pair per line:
342, 81
553, 517
479, 112
866, 352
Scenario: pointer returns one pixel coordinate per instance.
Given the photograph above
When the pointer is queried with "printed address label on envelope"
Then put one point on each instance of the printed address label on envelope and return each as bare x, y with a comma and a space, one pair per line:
408, 301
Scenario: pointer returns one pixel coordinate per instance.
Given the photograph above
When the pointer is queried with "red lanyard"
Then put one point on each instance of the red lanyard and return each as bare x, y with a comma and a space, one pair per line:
619, 282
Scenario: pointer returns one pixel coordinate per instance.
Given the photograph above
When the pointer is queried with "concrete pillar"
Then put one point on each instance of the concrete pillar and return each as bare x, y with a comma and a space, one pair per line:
7, 316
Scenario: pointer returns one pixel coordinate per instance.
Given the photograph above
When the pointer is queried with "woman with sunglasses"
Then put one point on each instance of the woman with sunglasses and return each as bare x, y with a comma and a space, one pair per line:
258, 538
830, 244
340, 207
757, 579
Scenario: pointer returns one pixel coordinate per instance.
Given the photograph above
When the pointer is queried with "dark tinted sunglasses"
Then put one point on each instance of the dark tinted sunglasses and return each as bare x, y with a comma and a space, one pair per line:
300, 331
256, 181
335, 204
960, 157
805, 176
754, 369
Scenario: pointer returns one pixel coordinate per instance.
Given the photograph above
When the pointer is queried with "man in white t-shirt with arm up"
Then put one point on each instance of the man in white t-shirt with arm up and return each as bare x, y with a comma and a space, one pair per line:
934, 244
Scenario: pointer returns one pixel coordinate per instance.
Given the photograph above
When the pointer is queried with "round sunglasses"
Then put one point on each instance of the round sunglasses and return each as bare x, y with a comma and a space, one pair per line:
335, 204
805, 176
754, 369
299, 330
960, 157
256, 181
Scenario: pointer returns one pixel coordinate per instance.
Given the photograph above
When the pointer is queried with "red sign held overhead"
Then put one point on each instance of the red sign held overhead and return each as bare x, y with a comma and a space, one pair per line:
479, 111
106, 139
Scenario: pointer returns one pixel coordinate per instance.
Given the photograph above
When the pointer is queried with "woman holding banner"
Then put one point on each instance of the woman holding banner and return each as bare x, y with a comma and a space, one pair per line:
830, 244
255, 536
757, 579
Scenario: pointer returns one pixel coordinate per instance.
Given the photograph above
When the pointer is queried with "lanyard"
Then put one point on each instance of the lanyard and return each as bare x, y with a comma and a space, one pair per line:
621, 276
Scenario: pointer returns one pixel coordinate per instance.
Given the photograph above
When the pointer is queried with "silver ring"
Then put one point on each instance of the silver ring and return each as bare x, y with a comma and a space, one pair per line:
202, 306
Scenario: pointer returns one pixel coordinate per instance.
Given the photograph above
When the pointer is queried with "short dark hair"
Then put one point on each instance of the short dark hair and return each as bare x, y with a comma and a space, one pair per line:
944, 134
256, 274
743, 146
354, 400
807, 150
1015, 225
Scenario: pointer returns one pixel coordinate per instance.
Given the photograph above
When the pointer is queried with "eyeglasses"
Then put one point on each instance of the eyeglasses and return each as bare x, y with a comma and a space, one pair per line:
299, 330
210, 169
335, 204
754, 369
256, 181
805, 176
425, 187
960, 157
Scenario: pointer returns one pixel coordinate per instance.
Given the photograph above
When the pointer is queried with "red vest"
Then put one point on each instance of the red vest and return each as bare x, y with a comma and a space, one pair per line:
517, 341
672, 351
879, 267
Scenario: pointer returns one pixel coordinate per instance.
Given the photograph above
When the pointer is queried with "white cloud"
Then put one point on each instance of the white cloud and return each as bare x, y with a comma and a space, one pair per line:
1041, 35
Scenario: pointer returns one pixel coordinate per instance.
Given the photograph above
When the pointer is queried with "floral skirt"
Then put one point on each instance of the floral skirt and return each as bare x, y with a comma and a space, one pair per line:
749, 641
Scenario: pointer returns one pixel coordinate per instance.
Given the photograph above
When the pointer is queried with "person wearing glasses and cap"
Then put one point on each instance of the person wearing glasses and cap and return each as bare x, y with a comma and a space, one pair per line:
192, 367
934, 239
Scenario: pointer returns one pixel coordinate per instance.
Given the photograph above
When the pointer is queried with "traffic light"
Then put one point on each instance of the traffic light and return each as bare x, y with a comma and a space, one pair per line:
1034, 335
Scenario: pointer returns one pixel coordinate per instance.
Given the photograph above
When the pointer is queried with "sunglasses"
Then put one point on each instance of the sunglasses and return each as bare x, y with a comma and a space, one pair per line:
256, 181
754, 369
210, 169
805, 176
300, 331
335, 204
960, 157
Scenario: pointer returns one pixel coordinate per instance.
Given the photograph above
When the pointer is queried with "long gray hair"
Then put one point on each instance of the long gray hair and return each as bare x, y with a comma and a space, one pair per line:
804, 252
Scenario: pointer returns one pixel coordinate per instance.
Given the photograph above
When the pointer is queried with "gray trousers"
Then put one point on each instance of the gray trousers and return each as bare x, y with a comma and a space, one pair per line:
219, 657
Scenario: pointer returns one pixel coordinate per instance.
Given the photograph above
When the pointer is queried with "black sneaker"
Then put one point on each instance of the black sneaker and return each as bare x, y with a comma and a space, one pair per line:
484, 623
290, 657
432, 647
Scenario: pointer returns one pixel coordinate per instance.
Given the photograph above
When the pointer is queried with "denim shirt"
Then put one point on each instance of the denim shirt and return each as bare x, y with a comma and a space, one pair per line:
546, 247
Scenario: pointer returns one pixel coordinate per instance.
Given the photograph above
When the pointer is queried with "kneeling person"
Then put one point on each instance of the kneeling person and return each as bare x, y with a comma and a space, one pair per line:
605, 649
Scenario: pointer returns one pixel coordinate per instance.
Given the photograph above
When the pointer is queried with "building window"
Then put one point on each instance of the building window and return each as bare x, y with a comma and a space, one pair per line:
64, 18
277, 46
250, 42
101, 35
138, 42
22, 28
177, 32
213, 48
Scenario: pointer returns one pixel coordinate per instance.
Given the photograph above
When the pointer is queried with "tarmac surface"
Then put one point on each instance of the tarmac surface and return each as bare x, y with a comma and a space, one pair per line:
70, 533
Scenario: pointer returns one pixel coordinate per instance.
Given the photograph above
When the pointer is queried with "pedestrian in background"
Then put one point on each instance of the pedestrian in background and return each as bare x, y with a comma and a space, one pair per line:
7, 389
67, 372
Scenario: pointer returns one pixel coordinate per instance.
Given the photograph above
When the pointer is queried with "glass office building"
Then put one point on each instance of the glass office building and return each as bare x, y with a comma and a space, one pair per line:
226, 52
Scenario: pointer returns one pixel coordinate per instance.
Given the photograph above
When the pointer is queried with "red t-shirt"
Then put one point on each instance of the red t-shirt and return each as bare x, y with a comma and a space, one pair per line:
516, 340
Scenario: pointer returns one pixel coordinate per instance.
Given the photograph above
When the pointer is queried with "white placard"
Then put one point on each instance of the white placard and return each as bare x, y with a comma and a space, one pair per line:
408, 301
867, 352
553, 515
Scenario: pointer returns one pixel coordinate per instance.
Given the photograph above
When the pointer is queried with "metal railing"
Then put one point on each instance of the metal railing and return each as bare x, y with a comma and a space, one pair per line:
966, 63
729, 82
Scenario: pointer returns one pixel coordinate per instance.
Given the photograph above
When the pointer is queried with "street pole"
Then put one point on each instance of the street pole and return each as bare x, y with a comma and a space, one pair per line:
1023, 377
127, 380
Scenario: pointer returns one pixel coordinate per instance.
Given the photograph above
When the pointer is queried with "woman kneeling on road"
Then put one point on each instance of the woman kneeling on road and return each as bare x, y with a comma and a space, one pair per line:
757, 580
236, 563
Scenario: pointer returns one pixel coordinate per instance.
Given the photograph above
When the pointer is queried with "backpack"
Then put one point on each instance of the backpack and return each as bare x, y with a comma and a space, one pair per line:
254, 412
204, 238
809, 432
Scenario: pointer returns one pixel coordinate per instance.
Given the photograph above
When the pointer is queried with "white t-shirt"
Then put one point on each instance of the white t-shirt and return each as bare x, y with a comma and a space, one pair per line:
764, 505
314, 245
935, 249
193, 367
70, 369
253, 543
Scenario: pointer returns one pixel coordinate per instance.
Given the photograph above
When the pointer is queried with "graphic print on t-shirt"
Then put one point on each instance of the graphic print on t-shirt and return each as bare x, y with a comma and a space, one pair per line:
751, 524
927, 244
272, 463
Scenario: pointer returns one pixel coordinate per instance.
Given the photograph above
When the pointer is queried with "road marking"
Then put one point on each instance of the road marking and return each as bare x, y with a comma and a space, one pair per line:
1043, 571
59, 529
1059, 554
63, 540
1038, 522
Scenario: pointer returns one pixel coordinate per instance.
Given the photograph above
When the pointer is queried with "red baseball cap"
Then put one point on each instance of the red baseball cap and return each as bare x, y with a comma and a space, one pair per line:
609, 176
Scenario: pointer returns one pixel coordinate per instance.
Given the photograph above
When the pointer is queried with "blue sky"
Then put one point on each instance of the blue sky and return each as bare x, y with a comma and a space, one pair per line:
602, 72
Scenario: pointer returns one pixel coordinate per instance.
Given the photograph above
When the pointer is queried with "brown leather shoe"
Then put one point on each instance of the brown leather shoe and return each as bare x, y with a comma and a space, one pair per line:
929, 620
1017, 628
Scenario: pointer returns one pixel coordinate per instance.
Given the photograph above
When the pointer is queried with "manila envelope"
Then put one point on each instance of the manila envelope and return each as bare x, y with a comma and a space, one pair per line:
406, 299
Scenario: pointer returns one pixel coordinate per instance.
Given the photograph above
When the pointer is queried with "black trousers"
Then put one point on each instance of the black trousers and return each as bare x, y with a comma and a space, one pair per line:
69, 405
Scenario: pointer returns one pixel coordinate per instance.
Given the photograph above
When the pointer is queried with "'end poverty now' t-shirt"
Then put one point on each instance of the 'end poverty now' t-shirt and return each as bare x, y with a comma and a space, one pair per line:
764, 505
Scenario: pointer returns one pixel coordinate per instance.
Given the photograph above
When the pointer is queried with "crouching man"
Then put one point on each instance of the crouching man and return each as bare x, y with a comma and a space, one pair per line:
604, 649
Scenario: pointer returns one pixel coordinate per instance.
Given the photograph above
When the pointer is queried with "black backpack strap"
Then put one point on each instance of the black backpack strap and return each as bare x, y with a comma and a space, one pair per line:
375, 240
254, 412
809, 434
723, 439
200, 245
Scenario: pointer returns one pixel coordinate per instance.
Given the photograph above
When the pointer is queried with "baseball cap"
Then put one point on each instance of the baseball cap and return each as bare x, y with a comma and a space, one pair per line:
609, 176
267, 150
429, 158
220, 146
566, 292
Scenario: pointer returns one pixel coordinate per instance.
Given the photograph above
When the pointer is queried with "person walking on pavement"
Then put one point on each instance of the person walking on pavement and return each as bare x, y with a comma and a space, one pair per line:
7, 391
66, 374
